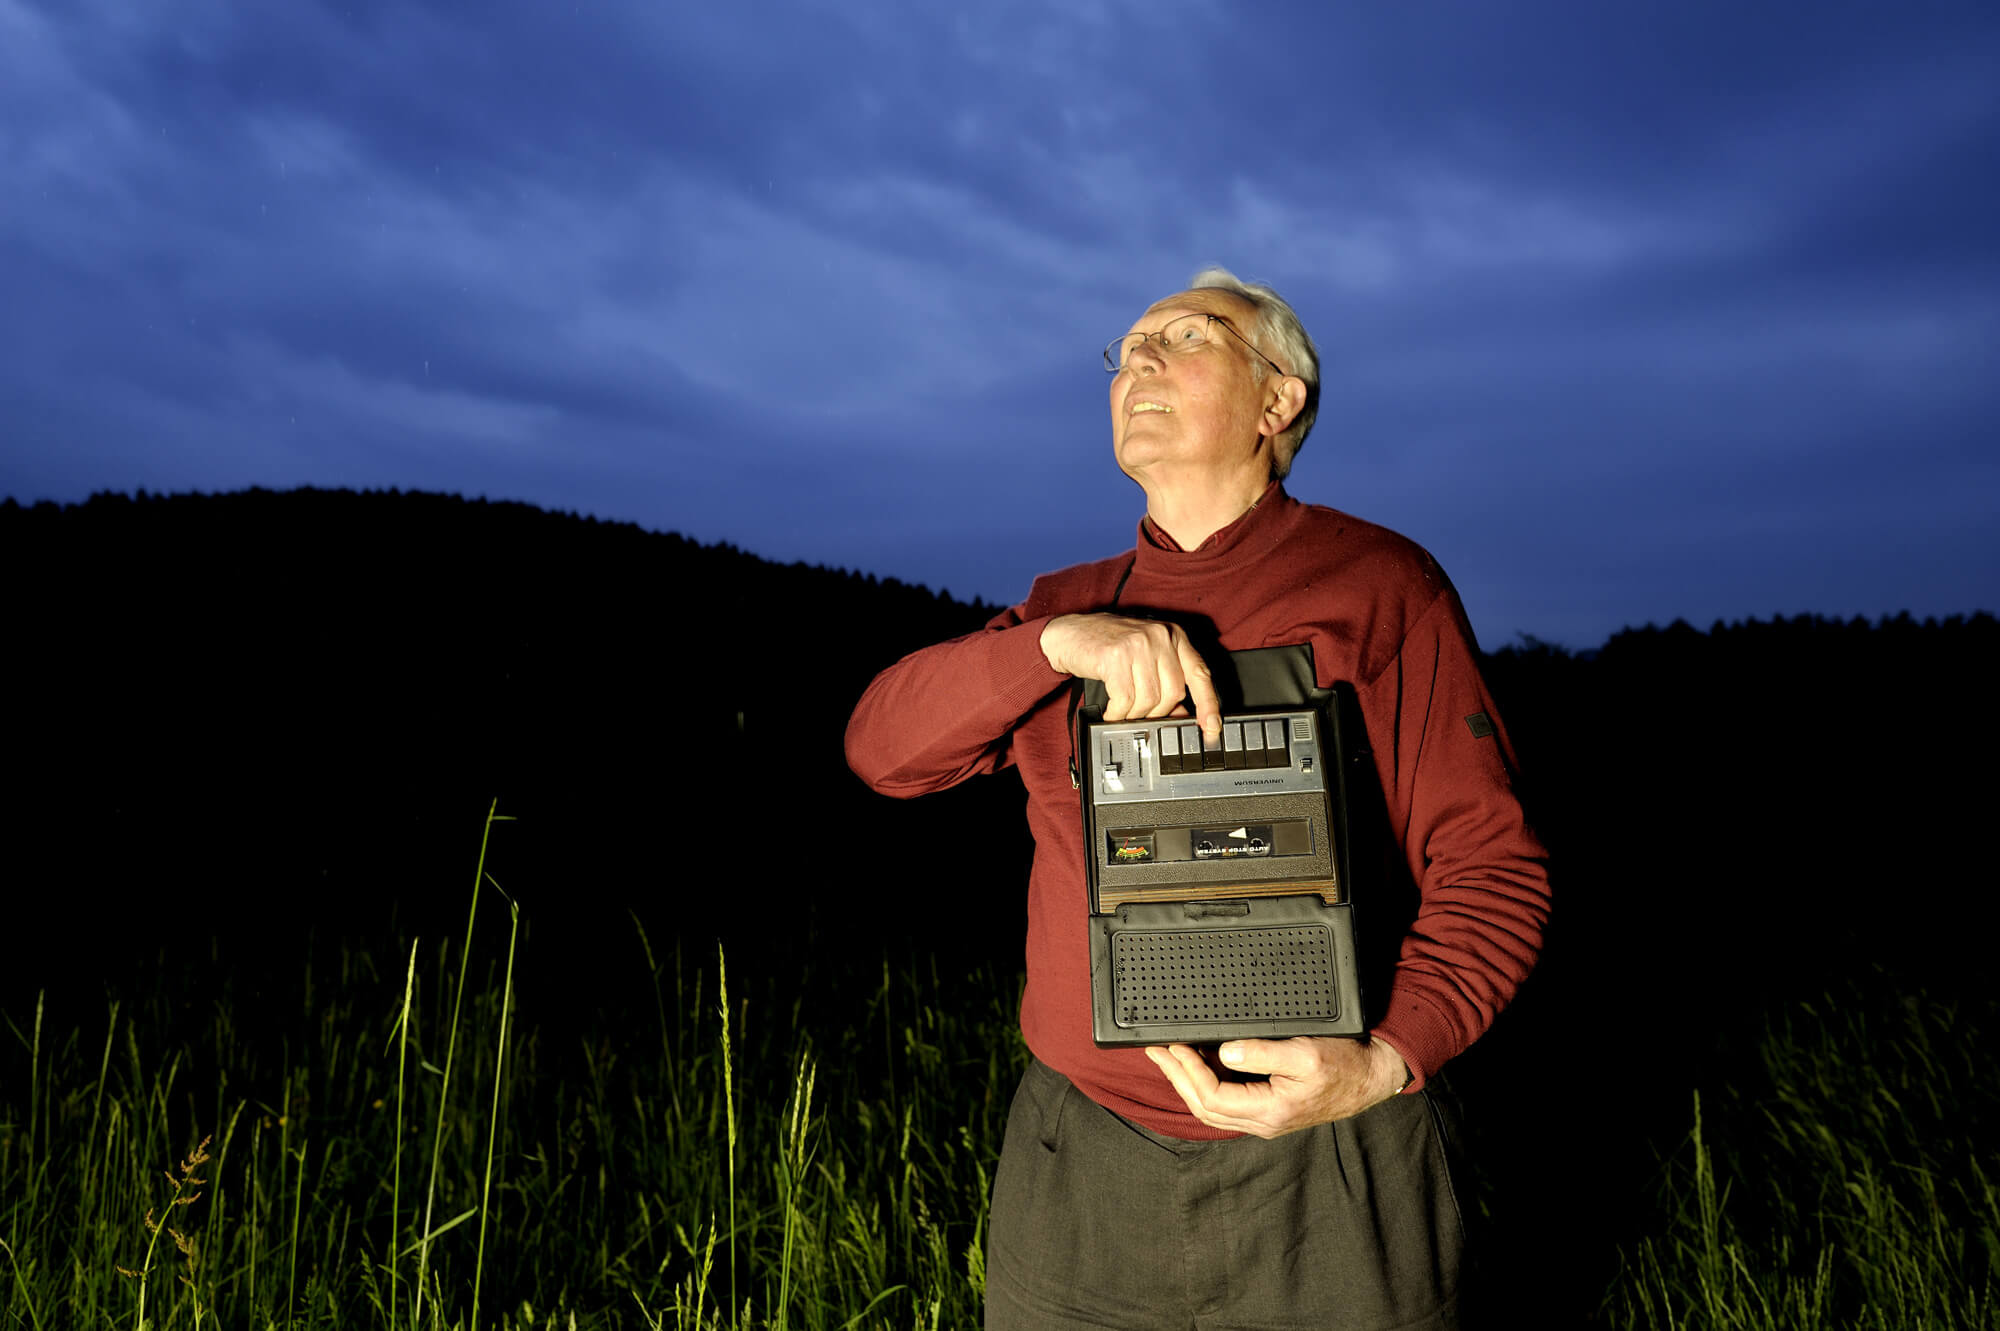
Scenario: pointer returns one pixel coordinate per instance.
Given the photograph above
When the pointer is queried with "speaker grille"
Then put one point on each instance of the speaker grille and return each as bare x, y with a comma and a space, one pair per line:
1223, 975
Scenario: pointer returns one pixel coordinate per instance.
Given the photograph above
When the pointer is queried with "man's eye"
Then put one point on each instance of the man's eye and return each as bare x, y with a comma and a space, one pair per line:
1188, 335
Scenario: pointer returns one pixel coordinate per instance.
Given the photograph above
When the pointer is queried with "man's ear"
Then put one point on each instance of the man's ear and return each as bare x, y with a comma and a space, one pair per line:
1284, 400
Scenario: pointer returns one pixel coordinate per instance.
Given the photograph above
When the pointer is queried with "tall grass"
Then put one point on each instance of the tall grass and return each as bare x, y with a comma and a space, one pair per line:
1850, 1185
806, 1147
593, 1150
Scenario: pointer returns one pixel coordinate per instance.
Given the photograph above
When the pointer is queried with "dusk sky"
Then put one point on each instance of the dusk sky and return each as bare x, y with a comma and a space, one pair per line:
1627, 311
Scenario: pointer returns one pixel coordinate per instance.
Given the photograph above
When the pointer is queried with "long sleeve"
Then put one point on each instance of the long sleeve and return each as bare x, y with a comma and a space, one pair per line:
944, 713
951, 711
1447, 774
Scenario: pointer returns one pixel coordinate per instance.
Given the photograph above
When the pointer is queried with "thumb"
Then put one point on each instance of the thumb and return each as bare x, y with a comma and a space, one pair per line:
1266, 1056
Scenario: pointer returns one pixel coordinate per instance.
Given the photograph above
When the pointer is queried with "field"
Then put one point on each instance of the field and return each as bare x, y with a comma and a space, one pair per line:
426, 1133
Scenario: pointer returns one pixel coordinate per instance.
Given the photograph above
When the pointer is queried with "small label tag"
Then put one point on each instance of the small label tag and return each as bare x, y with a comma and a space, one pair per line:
1244, 842
1479, 724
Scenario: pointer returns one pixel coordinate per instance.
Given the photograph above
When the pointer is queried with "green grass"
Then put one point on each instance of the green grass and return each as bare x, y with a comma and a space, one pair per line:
1850, 1182
397, 1137
735, 1149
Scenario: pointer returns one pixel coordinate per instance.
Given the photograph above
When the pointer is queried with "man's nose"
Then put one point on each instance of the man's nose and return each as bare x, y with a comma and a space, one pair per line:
1148, 356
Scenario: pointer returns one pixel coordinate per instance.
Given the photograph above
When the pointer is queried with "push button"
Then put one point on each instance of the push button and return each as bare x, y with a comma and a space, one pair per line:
1275, 752
1253, 744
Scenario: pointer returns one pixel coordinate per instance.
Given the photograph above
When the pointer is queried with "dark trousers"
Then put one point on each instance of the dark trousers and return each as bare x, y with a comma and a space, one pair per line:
1097, 1222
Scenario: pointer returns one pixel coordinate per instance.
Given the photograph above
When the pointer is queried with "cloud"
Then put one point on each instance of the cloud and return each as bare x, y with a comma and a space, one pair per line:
1614, 303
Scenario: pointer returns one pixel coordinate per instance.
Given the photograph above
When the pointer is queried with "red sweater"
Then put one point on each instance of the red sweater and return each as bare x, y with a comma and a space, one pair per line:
1380, 615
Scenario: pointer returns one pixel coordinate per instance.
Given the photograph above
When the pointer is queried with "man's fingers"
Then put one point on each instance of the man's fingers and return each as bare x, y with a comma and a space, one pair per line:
1131, 690
1140, 669
1148, 666
1200, 687
1164, 1061
1168, 683
1190, 1077
1231, 1106
1193, 1078
1159, 665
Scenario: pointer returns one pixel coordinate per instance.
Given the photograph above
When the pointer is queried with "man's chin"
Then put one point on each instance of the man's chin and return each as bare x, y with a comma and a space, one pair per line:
1135, 454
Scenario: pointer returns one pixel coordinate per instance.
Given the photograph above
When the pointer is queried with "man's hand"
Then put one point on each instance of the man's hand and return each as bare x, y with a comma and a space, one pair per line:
1148, 667
1313, 1079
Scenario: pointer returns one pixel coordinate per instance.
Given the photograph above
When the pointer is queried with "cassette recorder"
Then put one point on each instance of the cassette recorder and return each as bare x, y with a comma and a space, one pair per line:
1221, 873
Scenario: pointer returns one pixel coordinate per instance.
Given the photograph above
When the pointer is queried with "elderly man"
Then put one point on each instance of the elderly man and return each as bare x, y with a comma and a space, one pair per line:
1144, 1188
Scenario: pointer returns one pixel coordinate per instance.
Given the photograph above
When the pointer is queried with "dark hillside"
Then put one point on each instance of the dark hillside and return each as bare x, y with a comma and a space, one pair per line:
259, 710
263, 711
297, 706
1744, 820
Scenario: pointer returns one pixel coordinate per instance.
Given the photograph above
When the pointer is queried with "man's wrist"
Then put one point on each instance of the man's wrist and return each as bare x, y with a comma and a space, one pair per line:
1043, 642
1397, 1075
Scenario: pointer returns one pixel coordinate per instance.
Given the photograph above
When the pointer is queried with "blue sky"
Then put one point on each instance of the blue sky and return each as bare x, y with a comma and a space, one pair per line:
1628, 312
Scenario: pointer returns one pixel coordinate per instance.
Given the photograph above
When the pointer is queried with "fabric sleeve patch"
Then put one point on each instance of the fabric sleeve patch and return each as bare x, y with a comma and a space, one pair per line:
1480, 724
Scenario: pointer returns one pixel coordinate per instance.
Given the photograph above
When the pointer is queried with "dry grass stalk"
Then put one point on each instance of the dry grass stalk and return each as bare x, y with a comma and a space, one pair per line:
180, 1196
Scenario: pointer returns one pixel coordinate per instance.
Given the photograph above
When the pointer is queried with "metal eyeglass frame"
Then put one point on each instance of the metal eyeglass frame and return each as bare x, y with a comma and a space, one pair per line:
1111, 365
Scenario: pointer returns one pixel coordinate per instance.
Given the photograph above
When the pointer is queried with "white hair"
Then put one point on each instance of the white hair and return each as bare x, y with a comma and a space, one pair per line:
1277, 333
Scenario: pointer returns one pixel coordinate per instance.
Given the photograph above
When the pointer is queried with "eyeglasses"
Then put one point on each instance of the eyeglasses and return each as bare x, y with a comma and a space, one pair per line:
1180, 335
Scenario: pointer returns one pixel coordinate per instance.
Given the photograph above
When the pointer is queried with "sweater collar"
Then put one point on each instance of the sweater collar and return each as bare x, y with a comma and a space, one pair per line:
1248, 536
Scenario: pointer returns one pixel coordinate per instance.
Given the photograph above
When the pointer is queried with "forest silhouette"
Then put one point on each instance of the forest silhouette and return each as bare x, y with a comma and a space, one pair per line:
287, 710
